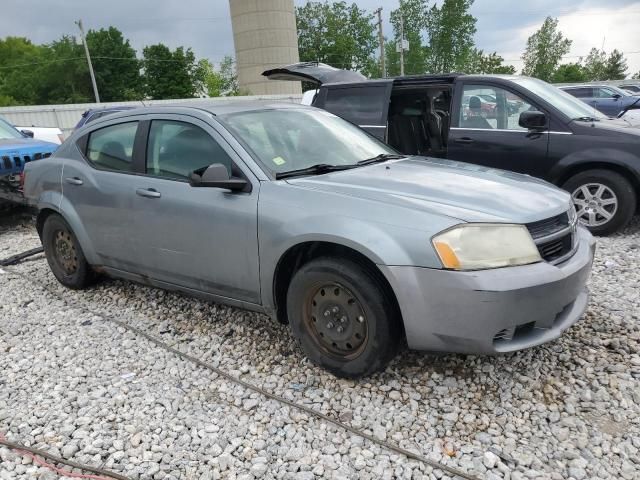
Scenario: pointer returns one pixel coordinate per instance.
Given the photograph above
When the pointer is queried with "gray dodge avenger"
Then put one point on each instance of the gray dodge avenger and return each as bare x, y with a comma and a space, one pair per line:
294, 212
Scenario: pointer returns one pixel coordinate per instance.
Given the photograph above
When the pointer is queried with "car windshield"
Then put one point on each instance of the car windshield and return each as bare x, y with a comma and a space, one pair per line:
293, 139
566, 103
8, 132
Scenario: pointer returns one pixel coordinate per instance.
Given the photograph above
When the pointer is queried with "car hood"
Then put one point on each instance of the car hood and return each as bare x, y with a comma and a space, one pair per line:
471, 193
618, 125
13, 144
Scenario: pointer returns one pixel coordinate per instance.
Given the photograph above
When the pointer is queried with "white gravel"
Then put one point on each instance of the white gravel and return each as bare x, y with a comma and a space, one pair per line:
79, 386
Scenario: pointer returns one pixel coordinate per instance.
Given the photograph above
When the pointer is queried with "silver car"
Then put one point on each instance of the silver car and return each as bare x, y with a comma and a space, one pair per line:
294, 212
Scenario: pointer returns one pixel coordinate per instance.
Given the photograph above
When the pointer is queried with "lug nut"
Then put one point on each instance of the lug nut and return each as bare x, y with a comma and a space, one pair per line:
330, 325
343, 319
339, 329
360, 319
335, 309
327, 313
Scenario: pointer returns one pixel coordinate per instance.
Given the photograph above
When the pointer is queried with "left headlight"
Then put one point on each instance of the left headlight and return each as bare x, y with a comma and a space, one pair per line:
482, 246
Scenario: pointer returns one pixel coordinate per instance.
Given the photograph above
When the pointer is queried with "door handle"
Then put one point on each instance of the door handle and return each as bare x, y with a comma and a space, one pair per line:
148, 192
464, 140
74, 180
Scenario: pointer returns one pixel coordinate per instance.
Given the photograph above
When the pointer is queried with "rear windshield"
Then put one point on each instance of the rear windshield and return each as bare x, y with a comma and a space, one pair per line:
8, 132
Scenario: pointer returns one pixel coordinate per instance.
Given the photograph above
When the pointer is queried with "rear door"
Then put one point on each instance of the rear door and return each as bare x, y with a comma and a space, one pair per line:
488, 133
101, 186
365, 104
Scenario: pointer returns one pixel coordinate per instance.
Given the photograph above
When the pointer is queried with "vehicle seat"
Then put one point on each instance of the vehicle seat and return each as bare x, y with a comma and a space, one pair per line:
433, 122
112, 155
407, 131
474, 117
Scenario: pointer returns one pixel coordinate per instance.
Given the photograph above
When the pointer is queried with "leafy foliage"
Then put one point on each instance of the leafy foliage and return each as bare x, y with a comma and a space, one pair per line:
338, 34
170, 74
570, 72
222, 82
414, 13
450, 29
616, 66
545, 49
492, 63
116, 67
599, 66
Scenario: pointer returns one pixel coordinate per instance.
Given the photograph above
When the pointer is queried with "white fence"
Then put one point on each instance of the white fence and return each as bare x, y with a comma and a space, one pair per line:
65, 117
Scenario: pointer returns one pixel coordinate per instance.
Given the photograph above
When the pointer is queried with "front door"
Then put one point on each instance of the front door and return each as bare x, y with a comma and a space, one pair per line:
200, 238
485, 130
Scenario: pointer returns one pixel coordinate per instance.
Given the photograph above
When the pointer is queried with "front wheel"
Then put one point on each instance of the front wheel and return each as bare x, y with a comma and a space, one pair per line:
605, 200
342, 317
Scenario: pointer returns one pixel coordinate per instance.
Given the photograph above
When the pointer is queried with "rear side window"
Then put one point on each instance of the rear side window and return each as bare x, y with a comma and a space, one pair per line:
111, 147
583, 92
362, 106
175, 149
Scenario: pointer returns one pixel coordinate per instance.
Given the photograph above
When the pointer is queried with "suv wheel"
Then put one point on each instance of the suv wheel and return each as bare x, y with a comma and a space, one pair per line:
605, 200
64, 255
342, 318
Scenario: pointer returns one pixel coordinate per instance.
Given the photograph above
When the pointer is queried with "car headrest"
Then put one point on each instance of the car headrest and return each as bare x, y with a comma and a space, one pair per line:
474, 102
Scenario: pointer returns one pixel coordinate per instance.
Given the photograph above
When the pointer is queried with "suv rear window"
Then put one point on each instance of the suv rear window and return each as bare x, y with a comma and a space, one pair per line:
359, 105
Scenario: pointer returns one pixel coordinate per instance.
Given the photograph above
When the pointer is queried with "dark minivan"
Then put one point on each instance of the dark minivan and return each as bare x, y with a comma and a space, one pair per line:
500, 121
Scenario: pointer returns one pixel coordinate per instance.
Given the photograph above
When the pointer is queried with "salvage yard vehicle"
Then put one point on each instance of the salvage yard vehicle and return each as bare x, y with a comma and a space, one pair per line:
607, 99
502, 121
292, 211
17, 148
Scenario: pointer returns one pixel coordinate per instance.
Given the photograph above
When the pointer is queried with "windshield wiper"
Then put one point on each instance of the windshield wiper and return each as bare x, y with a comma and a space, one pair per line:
587, 119
317, 169
383, 157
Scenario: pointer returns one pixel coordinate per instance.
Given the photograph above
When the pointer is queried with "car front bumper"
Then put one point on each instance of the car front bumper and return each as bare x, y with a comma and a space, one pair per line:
492, 311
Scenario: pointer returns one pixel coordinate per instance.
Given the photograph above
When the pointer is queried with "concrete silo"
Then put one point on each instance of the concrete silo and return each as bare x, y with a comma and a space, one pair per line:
265, 36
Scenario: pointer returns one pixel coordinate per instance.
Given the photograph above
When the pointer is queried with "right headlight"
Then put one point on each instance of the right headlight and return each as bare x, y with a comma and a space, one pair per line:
477, 246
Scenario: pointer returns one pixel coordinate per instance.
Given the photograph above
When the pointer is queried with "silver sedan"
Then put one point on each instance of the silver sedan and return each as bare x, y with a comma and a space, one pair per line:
294, 212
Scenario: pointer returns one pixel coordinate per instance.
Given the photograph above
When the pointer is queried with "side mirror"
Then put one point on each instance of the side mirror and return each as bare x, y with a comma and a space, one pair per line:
616, 96
533, 120
217, 176
27, 133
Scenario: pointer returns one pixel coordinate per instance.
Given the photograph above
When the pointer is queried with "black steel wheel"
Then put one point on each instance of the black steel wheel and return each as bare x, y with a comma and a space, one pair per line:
64, 254
343, 317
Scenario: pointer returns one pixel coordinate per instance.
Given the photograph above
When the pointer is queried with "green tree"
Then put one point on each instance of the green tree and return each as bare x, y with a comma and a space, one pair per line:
616, 66
545, 49
569, 72
115, 65
222, 82
636, 76
66, 76
20, 77
170, 74
338, 34
450, 30
595, 65
414, 14
489, 64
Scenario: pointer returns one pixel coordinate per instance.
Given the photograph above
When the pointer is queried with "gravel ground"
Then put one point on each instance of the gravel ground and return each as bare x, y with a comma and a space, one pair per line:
79, 386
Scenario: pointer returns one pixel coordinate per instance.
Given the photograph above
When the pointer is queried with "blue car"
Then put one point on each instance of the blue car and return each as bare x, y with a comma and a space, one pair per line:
607, 99
17, 149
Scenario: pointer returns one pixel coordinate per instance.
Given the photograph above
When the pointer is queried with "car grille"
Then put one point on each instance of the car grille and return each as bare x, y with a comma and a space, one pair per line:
554, 237
14, 163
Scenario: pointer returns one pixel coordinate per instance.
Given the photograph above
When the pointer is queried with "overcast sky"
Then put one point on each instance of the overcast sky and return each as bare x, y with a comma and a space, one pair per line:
205, 26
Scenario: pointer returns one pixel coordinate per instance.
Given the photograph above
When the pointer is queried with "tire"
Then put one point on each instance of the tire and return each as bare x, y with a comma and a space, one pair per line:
356, 302
64, 255
606, 187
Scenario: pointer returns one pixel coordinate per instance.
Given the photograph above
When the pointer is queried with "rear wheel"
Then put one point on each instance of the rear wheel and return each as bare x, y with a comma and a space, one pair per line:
64, 255
605, 200
342, 317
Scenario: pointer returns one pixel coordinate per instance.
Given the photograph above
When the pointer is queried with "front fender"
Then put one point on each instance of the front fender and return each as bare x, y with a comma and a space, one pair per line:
596, 158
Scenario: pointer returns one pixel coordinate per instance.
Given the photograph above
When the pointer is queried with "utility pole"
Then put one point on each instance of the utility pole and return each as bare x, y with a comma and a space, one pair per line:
86, 50
383, 67
401, 44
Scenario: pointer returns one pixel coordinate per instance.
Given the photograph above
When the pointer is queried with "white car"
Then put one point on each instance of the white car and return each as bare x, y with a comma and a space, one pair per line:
48, 134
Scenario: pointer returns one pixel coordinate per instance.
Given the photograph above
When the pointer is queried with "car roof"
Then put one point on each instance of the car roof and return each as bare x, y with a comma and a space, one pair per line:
215, 108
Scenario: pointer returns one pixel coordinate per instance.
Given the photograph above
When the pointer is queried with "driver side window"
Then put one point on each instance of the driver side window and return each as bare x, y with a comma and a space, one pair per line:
490, 108
175, 149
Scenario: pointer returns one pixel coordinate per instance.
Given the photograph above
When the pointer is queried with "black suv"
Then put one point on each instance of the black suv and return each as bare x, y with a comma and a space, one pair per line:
509, 122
